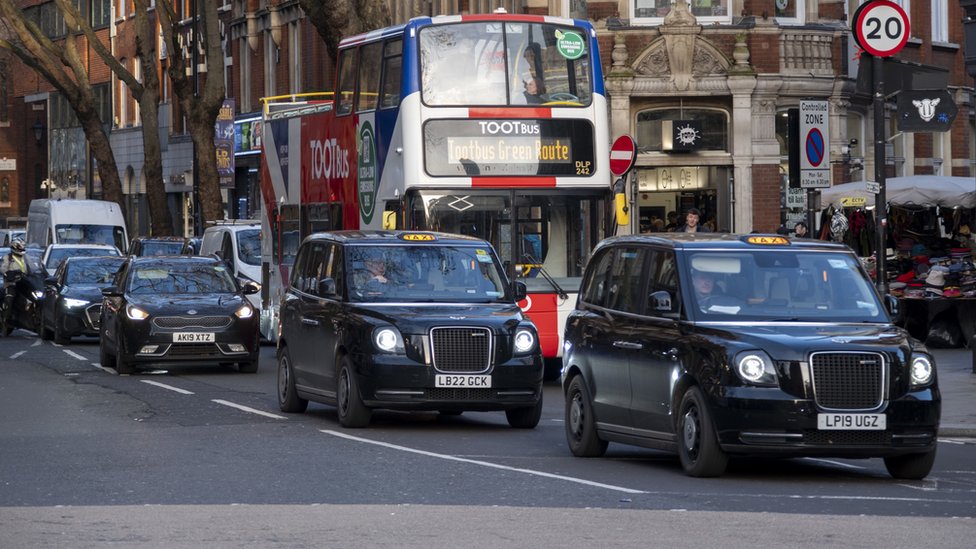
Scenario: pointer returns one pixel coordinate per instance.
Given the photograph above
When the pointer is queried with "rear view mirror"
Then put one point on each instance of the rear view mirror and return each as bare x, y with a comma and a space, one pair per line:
519, 291
894, 309
111, 291
250, 288
327, 287
661, 301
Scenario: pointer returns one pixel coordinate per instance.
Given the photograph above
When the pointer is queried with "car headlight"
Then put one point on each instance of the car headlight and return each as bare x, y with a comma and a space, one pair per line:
388, 340
922, 370
756, 368
72, 303
38, 294
135, 313
524, 341
244, 312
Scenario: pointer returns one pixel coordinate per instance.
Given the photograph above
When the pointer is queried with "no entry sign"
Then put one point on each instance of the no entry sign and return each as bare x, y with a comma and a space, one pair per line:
623, 152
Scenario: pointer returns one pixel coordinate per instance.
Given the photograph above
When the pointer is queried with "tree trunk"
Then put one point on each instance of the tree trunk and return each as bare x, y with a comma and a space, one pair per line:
159, 214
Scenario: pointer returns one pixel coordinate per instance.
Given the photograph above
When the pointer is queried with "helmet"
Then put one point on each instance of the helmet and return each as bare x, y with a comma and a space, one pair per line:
17, 247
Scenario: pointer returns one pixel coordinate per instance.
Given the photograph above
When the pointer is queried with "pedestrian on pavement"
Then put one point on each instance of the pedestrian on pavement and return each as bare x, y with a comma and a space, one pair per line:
692, 217
801, 230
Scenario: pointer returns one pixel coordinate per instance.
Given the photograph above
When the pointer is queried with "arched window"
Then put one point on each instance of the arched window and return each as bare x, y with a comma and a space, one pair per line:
714, 125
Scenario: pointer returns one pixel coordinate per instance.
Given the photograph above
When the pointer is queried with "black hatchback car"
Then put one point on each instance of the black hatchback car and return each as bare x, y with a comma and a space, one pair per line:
719, 345
407, 321
177, 309
73, 297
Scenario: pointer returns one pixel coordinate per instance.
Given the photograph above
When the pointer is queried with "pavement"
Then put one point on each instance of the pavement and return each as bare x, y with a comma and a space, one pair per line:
958, 385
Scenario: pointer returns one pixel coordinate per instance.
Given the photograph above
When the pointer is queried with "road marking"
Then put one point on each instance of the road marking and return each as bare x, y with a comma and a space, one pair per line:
74, 354
164, 386
36, 343
104, 369
17, 354
837, 463
484, 463
250, 410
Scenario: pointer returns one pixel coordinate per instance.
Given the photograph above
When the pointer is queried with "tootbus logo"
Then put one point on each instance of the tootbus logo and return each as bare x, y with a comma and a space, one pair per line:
329, 160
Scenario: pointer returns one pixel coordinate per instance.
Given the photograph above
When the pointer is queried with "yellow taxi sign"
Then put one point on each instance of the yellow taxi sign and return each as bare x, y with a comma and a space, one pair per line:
418, 237
853, 201
768, 240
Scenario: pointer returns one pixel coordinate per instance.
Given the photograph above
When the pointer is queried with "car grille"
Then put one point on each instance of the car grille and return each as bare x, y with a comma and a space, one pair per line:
848, 381
460, 394
196, 350
180, 322
93, 315
465, 349
847, 438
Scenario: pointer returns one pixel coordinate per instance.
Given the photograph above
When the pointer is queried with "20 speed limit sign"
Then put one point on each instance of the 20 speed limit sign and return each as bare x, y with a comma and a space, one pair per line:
881, 27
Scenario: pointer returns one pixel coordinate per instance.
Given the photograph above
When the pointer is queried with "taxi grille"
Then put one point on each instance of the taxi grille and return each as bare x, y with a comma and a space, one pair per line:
460, 394
848, 381
465, 349
847, 438
195, 350
180, 322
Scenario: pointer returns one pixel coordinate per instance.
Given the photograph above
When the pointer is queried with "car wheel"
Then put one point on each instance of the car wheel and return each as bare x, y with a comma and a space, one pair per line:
106, 359
698, 446
122, 366
352, 412
288, 399
248, 366
525, 418
581, 423
910, 467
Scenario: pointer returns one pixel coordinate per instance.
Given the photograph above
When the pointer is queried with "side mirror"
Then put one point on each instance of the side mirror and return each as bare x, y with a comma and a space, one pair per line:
661, 301
327, 287
51, 281
520, 291
111, 291
250, 288
894, 309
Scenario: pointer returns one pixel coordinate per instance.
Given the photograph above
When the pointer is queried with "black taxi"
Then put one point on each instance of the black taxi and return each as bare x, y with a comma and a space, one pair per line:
720, 345
407, 321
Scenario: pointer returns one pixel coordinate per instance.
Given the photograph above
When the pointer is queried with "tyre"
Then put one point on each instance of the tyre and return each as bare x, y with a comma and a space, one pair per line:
580, 422
288, 399
910, 467
122, 366
525, 418
352, 412
698, 446
248, 366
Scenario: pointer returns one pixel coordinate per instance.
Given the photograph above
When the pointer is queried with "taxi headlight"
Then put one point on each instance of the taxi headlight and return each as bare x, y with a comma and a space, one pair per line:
756, 368
244, 312
73, 303
524, 341
135, 313
388, 340
922, 370
38, 294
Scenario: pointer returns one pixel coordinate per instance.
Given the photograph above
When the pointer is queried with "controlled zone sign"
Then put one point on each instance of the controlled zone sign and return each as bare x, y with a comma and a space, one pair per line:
814, 145
880, 27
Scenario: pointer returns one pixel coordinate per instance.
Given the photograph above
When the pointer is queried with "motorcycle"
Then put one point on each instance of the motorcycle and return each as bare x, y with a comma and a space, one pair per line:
27, 291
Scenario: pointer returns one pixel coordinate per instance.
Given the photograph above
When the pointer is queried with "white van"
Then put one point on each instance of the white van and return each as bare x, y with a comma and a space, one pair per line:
238, 243
71, 221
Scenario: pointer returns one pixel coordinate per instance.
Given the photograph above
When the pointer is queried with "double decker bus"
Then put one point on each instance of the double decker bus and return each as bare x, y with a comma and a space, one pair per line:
489, 125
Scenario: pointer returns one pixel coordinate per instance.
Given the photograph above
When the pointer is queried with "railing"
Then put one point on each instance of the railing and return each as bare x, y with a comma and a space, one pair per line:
806, 52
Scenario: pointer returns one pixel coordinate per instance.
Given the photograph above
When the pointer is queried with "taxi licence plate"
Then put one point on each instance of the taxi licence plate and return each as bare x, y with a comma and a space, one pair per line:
851, 422
466, 381
193, 337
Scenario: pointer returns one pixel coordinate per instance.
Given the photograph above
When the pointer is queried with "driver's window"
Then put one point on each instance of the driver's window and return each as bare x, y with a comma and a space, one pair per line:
663, 296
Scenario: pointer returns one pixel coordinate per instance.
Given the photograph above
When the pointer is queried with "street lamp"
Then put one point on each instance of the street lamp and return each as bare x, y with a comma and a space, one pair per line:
38, 128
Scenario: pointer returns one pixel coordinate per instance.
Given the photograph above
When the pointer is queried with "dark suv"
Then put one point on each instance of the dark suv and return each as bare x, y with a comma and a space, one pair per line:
715, 345
409, 321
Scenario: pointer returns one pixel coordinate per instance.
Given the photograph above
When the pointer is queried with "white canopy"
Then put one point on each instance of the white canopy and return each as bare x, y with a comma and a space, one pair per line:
914, 190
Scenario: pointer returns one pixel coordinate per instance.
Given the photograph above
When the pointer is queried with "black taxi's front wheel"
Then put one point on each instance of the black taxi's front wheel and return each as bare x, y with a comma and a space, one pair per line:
910, 467
352, 412
698, 446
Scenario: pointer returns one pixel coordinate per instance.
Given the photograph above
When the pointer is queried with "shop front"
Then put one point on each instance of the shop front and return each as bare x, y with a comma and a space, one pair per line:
665, 193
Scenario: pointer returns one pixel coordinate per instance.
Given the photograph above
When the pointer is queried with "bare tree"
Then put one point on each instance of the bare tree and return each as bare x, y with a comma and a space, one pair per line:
200, 108
61, 65
335, 19
146, 93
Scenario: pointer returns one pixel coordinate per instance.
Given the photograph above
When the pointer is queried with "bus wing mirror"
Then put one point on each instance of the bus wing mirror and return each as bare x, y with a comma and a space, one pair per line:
389, 221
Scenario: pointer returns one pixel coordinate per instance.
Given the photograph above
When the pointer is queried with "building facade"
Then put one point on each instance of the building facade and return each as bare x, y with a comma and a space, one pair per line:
704, 88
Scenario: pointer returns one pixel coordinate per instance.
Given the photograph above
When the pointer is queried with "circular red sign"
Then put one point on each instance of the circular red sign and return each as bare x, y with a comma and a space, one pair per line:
881, 27
623, 153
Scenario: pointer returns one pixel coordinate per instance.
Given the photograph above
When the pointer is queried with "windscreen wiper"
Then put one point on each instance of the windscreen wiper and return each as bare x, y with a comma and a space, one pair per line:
559, 291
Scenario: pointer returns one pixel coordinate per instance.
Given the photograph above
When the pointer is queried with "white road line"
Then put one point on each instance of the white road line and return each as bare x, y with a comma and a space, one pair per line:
250, 410
164, 386
17, 354
74, 354
837, 463
36, 343
484, 463
104, 369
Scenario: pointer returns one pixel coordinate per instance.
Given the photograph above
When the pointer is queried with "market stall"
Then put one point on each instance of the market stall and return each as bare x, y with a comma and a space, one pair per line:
930, 254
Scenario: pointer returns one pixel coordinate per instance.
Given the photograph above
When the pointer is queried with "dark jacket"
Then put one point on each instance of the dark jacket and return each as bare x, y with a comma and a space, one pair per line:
698, 229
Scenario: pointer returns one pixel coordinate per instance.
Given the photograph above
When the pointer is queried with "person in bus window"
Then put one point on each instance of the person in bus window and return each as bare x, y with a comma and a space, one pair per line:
534, 88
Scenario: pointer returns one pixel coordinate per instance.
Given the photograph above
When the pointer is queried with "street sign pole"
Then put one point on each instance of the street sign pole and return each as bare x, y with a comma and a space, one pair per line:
881, 200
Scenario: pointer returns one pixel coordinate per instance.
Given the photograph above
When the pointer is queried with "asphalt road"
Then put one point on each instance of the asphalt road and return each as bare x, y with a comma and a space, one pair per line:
200, 456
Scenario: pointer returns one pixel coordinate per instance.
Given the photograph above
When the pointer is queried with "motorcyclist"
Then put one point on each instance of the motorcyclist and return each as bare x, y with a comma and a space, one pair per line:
12, 262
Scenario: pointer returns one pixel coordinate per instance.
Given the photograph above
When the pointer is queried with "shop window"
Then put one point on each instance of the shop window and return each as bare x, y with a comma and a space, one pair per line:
790, 12
652, 12
714, 124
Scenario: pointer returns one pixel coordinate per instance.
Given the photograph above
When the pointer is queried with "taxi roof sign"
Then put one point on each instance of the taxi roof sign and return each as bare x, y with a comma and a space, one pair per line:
418, 237
767, 240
